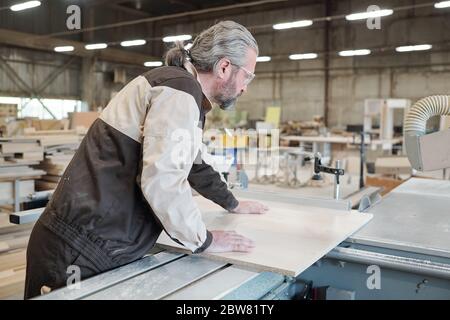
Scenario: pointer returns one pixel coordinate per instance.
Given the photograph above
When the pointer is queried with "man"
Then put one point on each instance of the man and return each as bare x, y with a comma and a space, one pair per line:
132, 175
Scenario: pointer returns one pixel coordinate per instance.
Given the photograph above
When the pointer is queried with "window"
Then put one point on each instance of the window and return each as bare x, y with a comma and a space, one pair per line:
33, 108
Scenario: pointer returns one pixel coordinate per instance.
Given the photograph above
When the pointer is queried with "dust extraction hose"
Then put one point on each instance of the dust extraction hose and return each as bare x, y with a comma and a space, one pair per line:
424, 109
416, 123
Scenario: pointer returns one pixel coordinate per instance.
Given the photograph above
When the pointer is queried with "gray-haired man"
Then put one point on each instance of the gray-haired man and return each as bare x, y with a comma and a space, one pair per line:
124, 186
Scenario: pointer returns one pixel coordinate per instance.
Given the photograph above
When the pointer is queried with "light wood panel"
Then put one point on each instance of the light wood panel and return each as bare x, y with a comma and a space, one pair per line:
289, 238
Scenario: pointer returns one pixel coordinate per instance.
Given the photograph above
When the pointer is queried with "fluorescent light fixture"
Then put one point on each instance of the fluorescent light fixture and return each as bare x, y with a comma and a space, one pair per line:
188, 46
303, 56
350, 53
25, 5
153, 64
182, 37
263, 59
442, 4
369, 14
131, 43
64, 49
294, 24
419, 47
96, 46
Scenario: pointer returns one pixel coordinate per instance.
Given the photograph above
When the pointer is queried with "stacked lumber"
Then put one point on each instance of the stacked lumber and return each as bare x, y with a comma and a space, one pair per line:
13, 243
59, 148
303, 128
51, 138
54, 166
48, 124
25, 176
18, 154
21, 150
55, 163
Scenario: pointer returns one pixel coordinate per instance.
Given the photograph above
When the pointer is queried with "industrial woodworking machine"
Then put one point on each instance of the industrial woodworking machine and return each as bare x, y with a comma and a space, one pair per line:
402, 253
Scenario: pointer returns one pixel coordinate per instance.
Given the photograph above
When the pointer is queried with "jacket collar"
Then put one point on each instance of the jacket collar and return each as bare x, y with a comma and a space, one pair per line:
206, 103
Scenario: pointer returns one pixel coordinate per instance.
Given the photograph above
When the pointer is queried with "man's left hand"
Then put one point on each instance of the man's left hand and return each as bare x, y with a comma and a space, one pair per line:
250, 207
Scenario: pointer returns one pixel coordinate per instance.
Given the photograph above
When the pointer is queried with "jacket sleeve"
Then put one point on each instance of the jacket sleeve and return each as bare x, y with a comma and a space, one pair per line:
208, 182
171, 140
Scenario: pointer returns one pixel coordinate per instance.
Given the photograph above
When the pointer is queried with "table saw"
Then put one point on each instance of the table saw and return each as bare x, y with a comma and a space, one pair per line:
402, 253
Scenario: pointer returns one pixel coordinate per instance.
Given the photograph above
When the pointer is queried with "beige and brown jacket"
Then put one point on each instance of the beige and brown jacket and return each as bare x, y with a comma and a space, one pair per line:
132, 176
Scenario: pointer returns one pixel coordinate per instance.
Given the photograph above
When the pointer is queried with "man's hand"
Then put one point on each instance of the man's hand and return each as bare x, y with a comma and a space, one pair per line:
250, 207
227, 241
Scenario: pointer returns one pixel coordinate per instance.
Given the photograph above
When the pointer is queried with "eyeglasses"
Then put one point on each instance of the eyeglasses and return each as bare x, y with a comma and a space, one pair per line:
250, 75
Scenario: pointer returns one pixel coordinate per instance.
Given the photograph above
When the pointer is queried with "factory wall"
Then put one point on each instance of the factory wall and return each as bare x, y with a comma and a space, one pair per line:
298, 87
33, 67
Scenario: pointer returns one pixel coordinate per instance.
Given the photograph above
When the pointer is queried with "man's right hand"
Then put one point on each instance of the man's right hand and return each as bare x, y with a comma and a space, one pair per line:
227, 241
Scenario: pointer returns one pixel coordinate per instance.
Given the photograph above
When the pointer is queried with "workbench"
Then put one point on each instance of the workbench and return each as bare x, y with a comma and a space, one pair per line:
340, 140
324, 144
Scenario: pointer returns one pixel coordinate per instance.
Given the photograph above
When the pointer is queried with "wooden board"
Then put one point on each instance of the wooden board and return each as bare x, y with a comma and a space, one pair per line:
383, 182
19, 147
50, 140
12, 260
49, 124
7, 189
11, 282
42, 185
50, 178
289, 238
19, 172
82, 119
394, 165
29, 156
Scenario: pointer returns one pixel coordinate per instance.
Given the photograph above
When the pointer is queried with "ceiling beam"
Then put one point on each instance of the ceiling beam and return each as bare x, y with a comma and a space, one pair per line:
92, 3
165, 17
31, 41
128, 10
185, 4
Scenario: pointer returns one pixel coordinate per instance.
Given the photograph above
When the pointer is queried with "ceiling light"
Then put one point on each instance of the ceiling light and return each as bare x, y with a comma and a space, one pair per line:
303, 56
64, 49
442, 4
182, 37
96, 46
131, 43
153, 64
25, 5
263, 59
419, 47
369, 14
350, 53
294, 24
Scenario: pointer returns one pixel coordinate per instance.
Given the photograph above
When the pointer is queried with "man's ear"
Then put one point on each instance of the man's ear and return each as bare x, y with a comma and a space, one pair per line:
223, 68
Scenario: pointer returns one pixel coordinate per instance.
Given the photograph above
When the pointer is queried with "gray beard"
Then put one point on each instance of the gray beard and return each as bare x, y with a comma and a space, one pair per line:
228, 104
225, 98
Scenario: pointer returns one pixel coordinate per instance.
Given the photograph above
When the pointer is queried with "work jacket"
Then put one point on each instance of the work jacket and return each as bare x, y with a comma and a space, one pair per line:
132, 175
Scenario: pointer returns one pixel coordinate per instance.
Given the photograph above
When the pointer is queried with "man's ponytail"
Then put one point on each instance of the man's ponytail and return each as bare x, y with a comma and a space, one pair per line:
177, 56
